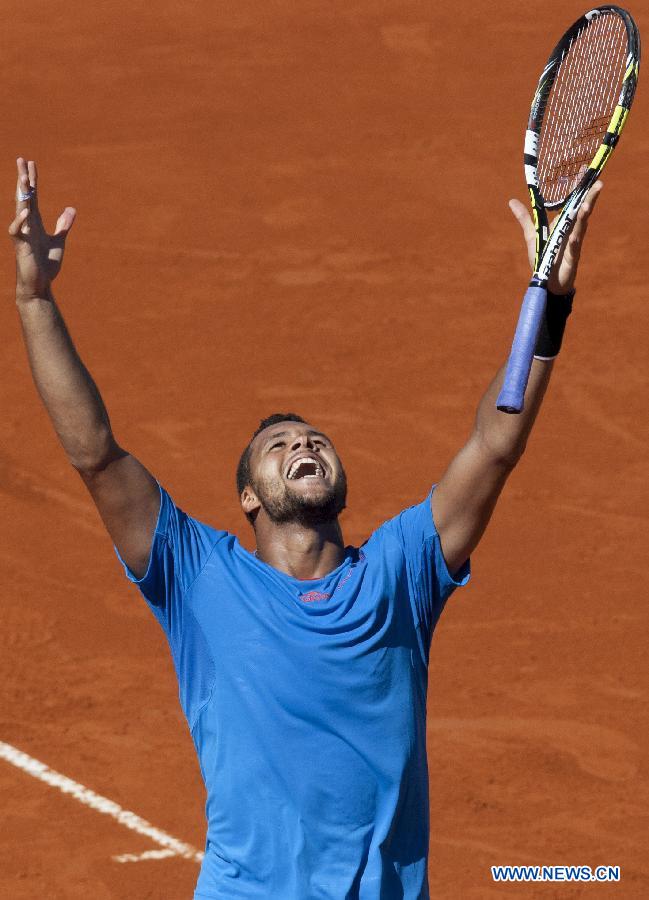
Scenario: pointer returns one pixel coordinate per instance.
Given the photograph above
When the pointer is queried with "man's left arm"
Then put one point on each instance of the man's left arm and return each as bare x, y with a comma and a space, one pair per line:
466, 495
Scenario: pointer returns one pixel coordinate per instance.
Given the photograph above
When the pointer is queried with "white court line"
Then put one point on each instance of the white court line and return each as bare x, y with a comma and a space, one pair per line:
148, 854
173, 847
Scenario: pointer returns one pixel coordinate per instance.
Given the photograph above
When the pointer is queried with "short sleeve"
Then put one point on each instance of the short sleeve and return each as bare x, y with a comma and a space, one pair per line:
181, 546
429, 580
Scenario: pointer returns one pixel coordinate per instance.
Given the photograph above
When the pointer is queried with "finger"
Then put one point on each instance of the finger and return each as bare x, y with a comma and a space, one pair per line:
32, 173
580, 227
24, 188
570, 251
18, 222
22, 184
65, 221
591, 200
25, 196
586, 209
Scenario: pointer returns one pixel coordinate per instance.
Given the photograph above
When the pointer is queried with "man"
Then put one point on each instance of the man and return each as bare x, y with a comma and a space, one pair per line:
302, 667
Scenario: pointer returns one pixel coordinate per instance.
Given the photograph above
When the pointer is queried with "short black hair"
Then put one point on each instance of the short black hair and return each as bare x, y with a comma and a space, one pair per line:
243, 469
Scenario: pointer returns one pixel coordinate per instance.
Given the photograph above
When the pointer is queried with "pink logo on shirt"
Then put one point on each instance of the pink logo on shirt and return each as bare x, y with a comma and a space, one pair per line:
319, 596
314, 596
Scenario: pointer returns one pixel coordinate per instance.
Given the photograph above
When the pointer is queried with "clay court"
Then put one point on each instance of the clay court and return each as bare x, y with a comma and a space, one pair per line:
304, 206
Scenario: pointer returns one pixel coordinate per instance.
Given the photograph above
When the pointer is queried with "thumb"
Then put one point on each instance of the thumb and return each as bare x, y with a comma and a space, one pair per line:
523, 218
65, 221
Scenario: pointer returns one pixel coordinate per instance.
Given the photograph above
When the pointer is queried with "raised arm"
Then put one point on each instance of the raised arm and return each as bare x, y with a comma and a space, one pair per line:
125, 493
467, 492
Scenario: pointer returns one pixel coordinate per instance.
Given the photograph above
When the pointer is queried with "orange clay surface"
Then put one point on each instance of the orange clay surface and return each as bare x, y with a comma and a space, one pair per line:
302, 205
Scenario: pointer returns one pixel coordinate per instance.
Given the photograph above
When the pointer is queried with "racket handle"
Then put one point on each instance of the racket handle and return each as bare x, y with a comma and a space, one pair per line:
510, 399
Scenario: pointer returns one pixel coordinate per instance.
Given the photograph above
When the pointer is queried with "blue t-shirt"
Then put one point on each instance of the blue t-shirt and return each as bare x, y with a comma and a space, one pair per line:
306, 702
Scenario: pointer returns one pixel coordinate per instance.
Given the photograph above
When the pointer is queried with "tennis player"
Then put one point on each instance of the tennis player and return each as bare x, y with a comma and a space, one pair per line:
303, 666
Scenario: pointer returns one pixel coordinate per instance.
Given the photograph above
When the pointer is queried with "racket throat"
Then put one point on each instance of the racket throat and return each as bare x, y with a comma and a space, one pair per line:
555, 241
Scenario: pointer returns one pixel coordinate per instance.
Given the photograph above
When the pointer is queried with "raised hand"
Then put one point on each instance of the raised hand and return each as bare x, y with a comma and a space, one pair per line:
38, 254
564, 271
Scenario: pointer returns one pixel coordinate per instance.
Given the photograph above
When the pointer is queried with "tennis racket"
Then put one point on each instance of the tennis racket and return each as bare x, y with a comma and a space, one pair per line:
578, 112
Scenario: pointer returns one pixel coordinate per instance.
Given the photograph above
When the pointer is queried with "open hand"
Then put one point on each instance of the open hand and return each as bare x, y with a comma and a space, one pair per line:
38, 254
564, 270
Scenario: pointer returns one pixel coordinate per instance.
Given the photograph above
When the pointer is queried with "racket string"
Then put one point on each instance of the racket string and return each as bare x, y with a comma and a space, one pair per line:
580, 105
569, 105
570, 92
572, 105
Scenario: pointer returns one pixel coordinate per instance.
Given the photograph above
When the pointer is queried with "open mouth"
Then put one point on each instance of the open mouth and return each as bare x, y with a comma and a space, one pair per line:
306, 467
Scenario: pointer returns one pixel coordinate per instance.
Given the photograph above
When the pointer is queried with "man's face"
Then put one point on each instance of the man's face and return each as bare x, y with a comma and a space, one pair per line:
296, 474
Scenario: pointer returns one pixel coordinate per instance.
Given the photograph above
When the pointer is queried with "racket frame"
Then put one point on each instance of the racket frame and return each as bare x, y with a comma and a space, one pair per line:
549, 241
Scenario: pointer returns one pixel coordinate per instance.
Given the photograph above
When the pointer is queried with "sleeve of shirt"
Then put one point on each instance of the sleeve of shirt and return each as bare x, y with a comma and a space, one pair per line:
429, 580
181, 546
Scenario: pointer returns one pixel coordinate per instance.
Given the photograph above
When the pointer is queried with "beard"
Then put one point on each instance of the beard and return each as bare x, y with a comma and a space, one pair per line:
283, 505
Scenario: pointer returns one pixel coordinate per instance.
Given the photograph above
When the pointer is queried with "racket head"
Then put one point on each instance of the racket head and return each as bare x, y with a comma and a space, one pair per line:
581, 104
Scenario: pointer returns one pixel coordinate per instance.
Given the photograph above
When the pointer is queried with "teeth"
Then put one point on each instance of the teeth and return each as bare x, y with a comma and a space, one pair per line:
319, 473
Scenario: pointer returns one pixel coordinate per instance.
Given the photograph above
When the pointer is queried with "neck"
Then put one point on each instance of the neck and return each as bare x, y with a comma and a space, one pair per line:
301, 551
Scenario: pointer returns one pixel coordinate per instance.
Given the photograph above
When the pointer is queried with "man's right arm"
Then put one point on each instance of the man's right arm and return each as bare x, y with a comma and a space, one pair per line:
125, 493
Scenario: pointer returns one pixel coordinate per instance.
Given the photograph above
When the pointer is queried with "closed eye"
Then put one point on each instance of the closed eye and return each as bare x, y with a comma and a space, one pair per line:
277, 444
